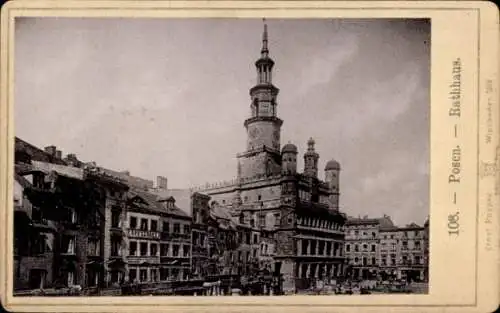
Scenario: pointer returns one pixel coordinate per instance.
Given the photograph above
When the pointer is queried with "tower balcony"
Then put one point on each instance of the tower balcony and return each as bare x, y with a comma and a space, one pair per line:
265, 86
254, 119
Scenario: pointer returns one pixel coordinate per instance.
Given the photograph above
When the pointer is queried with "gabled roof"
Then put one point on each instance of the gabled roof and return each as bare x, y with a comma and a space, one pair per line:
220, 212
63, 170
168, 199
22, 168
384, 222
411, 226
154, 203
35, 153
133, 181
22, 180
182, 198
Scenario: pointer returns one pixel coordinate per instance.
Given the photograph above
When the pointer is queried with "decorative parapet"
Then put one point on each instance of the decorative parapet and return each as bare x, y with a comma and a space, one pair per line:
216, 185
234, 182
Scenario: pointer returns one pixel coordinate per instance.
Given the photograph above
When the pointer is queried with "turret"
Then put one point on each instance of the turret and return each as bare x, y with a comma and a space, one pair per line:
332, 171
311, 160
289, 159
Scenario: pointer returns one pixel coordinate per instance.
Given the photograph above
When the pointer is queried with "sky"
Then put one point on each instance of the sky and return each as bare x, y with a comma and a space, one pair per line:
169, 96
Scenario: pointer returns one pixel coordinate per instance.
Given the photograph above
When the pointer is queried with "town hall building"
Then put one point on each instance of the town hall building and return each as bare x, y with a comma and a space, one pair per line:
296, 209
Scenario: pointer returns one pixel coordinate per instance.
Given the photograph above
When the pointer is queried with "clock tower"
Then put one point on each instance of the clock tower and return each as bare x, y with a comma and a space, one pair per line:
262, 156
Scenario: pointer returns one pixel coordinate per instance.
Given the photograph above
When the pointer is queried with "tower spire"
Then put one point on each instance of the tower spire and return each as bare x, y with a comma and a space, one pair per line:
265, 51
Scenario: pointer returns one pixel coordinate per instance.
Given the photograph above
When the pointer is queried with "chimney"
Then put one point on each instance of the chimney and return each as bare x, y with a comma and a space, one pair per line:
58, 154
71, 159
161, 182
51, 150
127, 173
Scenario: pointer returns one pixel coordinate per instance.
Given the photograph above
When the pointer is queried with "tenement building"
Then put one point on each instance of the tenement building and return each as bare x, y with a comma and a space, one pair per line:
78, 225
61, 240
404, 252
158, 238
362, 245
376, 248
292, 223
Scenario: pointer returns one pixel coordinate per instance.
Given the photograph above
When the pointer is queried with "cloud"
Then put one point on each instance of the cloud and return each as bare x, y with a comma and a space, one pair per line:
169, 97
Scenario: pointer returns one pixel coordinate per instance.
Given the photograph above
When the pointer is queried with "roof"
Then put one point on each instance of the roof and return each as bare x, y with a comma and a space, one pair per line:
384, 221
63, 170
220, 212
155, 204
289, 148
362, 221
182, 197
332, 165
411, 226
35, 153
22, 168
22, 180
133, 181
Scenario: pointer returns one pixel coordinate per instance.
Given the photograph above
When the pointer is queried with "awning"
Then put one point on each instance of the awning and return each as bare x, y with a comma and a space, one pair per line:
174, 262
117, 263
211, 284
148, 264
95, 264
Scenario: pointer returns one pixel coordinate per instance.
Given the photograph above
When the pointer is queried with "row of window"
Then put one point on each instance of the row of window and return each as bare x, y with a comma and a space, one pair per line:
383, 236
167, 250
386, 261
239, 256
247, 199
154, 275
152, 225
364, 233
319, 247
404, 260
416, 245
373, 248
365, 261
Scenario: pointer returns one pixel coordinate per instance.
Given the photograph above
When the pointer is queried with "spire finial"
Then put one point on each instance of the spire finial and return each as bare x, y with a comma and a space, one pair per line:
310, 144
264, 50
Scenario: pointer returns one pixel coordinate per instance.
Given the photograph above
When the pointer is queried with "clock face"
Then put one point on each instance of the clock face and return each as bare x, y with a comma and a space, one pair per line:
254, 133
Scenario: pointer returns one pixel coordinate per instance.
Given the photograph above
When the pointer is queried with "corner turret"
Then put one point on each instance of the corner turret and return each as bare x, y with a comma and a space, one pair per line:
289, 159
332, 173
311, 160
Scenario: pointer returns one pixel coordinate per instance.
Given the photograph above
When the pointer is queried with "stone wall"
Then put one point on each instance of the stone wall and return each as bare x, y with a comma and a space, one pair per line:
261, 163
263, 133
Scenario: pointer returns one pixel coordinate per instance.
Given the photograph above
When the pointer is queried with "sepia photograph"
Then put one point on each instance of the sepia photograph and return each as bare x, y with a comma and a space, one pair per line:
221, 156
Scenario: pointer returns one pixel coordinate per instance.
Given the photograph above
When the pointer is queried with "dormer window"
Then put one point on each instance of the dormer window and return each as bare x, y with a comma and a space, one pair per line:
38, 180
170, 203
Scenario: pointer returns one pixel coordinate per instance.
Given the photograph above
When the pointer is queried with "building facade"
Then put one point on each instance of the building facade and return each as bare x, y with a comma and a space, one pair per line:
60, 220
376, 248
158, 239
404, 252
